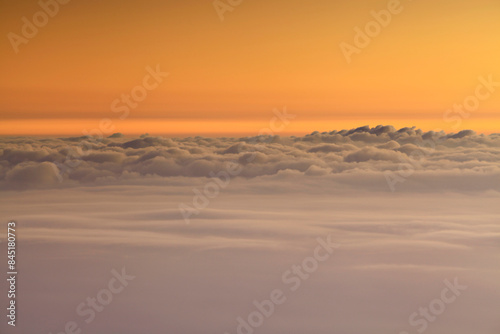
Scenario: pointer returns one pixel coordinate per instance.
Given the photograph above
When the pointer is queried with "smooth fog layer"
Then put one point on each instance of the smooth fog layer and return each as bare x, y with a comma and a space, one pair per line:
395, 252
405, 158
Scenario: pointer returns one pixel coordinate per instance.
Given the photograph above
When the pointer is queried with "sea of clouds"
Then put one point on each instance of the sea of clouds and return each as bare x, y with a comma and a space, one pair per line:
84, 207
363, 157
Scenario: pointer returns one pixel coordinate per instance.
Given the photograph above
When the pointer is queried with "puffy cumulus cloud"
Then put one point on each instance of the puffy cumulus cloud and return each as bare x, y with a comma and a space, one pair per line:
33, 174
101, 157
326, 148
116, 135
372, 153
19, 155
147, 142
317, 171
362, 153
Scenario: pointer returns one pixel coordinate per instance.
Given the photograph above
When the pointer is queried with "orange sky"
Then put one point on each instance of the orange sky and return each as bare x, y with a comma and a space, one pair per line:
226, 77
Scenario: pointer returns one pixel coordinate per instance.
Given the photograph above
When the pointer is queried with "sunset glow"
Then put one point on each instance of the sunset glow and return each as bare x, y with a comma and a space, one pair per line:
227, 76
250, 166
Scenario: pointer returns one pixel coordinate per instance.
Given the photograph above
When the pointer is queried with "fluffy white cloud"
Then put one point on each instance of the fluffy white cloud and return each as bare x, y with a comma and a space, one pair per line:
361, 153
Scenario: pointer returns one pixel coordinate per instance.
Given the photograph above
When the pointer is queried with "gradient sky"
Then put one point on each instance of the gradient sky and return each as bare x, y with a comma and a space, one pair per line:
226, 77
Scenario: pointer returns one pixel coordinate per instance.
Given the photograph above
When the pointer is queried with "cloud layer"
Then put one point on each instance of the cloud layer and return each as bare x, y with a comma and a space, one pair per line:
395, 252
115, 203
345, 156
